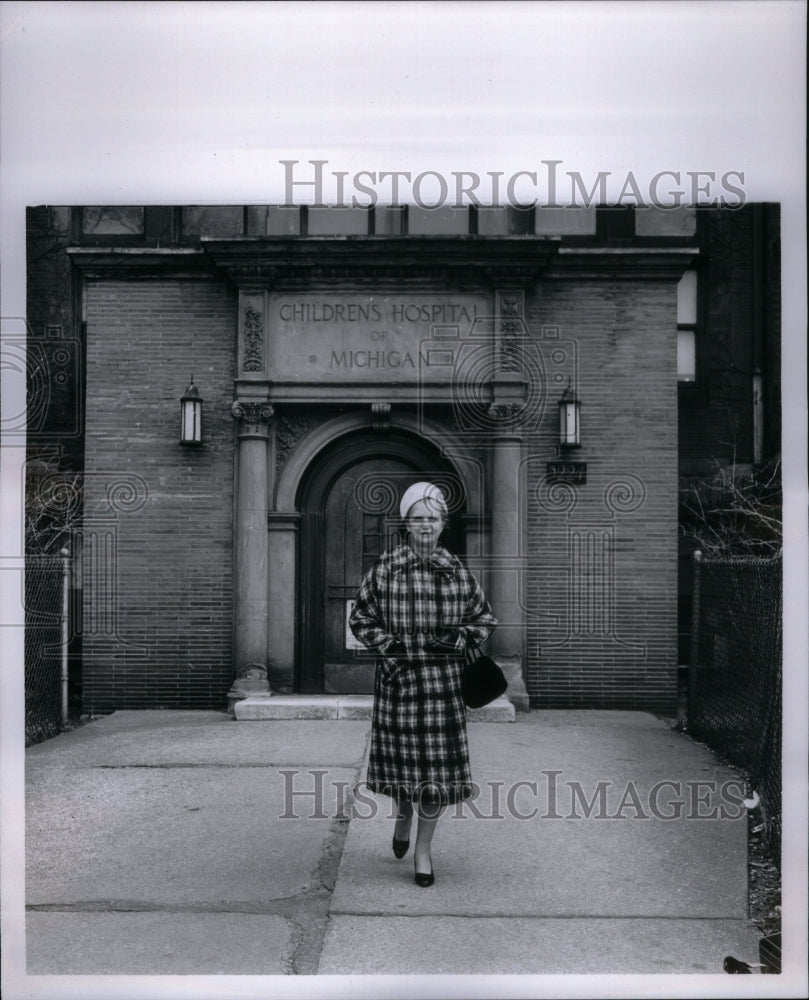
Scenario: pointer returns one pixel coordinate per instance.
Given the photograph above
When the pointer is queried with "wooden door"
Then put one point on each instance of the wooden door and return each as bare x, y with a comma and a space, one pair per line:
360, 516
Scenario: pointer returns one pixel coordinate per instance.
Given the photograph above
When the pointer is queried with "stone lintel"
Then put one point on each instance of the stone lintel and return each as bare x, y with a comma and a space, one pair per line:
363, 393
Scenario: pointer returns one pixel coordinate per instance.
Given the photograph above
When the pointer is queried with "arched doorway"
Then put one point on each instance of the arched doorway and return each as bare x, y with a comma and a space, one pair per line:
349, 504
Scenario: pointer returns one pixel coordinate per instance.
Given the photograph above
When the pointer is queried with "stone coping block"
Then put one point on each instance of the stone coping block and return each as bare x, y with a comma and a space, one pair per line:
260, 708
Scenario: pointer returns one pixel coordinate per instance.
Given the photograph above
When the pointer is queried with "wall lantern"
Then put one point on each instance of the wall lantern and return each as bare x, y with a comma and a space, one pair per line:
191, 415
569, 419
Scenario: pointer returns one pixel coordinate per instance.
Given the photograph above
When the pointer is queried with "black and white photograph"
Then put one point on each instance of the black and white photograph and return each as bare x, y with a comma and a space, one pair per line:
404, 497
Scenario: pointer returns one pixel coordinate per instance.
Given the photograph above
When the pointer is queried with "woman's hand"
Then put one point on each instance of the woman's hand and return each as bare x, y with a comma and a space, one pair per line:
395, 648
446, 640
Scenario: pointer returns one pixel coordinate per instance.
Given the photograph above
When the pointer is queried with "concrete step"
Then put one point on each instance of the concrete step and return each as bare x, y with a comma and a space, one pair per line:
259, 708
500, 710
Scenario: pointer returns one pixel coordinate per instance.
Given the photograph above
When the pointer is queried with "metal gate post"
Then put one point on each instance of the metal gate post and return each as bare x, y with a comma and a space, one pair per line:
694, 657
65, 554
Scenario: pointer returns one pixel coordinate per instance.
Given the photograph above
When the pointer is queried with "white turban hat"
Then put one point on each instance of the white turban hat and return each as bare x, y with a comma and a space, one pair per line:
422, 491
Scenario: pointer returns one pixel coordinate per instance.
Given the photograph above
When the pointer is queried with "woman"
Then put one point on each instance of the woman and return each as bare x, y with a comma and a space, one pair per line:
420, 609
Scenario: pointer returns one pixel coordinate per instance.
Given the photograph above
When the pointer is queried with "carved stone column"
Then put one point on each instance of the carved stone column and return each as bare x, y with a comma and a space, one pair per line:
506, 532
510, 389
250, 562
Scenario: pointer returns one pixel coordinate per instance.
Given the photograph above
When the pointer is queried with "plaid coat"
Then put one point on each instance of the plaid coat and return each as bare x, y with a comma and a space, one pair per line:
418, 733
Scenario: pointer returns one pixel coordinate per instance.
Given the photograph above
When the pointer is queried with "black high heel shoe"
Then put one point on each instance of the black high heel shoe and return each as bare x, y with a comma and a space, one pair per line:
424, 879
400, 847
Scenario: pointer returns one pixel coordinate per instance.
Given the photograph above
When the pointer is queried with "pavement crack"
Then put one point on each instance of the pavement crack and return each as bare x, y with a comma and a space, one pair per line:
276, 907
311, 918
433, 914
223, 765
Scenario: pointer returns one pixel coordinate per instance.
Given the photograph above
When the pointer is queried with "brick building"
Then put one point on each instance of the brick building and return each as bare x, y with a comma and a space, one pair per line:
340, 355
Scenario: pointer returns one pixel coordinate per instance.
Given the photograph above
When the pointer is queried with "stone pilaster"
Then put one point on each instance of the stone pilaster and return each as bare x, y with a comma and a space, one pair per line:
507, 412
283, 547
251, 568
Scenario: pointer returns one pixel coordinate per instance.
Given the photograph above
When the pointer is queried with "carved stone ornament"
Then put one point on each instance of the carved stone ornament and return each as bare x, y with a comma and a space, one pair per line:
254, 416
380, 416
511, 318
253, 360
251, 273
288, 429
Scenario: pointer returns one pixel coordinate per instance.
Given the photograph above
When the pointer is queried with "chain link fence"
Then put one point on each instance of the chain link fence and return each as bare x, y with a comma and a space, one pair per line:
734, 694
44, 596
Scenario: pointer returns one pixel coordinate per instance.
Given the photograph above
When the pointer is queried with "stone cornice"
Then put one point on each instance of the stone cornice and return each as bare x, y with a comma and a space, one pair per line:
426, 262
140, 262
630, 263
420, 262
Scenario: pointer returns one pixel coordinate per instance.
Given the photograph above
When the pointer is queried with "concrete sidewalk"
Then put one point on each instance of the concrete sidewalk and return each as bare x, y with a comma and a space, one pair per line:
157, 843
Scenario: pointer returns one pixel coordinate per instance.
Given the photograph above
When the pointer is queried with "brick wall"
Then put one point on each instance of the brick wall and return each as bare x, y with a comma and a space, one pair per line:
158, 516
55, 350
716, 413
602, 585
601, 591
772, 330
165, 540
48, 284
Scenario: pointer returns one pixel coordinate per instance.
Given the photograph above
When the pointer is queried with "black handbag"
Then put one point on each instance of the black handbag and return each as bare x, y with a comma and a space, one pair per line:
483, 680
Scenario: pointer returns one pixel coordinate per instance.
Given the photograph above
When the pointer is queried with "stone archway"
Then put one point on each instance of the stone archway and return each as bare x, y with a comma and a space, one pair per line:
348, 503
285, 519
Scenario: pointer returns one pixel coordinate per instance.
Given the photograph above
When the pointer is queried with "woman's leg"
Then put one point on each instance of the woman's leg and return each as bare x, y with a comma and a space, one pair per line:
404, 808
429, 812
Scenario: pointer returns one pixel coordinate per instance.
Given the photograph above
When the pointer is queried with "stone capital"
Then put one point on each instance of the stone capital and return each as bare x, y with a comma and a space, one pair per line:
254, 417
505, 417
